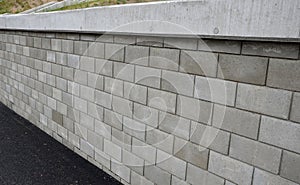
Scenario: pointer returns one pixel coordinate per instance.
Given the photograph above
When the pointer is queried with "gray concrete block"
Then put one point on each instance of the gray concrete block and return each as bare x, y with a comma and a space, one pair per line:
171, 164
175, 125
210, 137
124, 71
290, 166
255, 153
144, 151
230, 169
114, 52
124, 39
136, 93
103, 99
243, 68
86, 147
122, 106
61, 58
181, 43
147, 76
37, 42
295, 116
46, 43
222, 46
121, 170
113, 119
199, 176
134, 128
282, 50
80, 47
87, 121
87, 64
95, 140
178, 82
113, 150
57, 117
67, 46
160, 140
280, 133
200, 63
164, 58
284, 74
149, 41
56, 44
236, 121
73, 61
261, 178
145, 115
113, 86
191, 153
264, 100
215, 90
202, 110
137, 179
133, 162
157, 175
121, 138
162, 100
137, 55
104, 67
96, 50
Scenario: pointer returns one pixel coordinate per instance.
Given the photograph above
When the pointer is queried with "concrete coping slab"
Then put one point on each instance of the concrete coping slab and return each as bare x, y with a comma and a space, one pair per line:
247, 20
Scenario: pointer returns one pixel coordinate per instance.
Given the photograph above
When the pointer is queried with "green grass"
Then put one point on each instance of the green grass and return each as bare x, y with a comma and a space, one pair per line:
94, 3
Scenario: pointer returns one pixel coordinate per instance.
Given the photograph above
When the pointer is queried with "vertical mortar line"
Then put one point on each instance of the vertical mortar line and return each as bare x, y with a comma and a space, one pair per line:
252, 177
280, 163
291, 105
267, 71
259, 124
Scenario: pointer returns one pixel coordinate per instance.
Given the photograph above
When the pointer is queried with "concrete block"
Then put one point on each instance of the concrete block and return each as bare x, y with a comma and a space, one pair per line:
87, 121
230, 169
261, 178
37, 42
149, 41
95, 140
121, 170
104, 67
215, 90
87, 93
175, 125
255, 153
96, 50
67, 46
200, 63
222, 46
68, 73
284, 74
87, 64
236, 121
46, 43
103, 129
124, 71
290, 166
147, 76
103, 99
264, 100
171, 164
86, 147
280, 133
281, 50
199, 176
134, 128
210, 137
80, 48
160, 140
113, 119
56, 69
145, 115
113, 86
191, 153
133, 162
73, 61
243, 68
122, 106
136, 93
56, 44
124, 39
202, 110
162, 100
114, 52
121, 139
57, 117
137, 179
181, 43
138, 55
113, 150
102, 158
164, 58
295, 116
177, 181
178, 83
144, 151
157, 175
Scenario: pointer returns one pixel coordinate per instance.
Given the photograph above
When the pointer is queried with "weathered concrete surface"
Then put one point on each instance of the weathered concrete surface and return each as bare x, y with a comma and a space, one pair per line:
257, 19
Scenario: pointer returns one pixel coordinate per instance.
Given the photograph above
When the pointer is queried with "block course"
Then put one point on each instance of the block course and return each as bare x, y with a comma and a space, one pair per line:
155, 110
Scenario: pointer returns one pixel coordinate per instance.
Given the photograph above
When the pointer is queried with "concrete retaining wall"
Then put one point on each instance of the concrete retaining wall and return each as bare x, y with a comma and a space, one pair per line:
166, 109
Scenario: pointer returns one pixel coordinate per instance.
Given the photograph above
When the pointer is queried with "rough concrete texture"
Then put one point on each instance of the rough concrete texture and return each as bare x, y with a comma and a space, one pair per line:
156, 110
